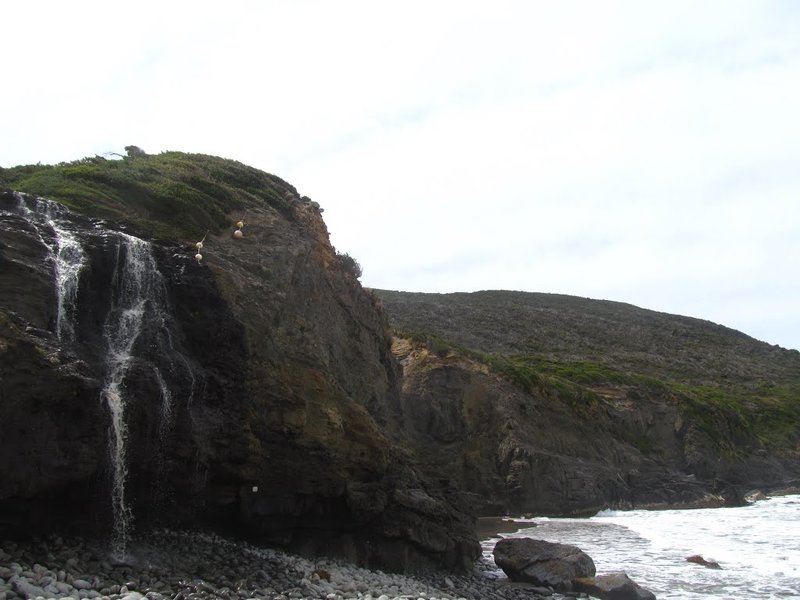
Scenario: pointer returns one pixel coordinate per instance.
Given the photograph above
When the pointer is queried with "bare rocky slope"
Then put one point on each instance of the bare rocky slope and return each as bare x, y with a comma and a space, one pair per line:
555, 404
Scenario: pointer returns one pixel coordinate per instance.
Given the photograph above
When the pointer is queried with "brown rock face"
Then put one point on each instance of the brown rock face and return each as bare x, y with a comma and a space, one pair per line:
261, 397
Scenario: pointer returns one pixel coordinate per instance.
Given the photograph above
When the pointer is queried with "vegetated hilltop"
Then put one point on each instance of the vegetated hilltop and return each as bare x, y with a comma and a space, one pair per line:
171, 195
644, 408
257, 384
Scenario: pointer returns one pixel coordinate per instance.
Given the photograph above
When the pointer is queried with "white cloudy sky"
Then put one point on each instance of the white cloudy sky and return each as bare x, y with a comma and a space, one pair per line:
641, 151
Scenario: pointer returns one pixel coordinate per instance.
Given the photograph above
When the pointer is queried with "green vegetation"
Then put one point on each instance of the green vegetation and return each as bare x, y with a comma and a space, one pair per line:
173, 195
350, 264
732, 416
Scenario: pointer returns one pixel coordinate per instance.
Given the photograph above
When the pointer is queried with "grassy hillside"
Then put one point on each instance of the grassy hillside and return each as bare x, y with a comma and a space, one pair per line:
172, 195
586, 351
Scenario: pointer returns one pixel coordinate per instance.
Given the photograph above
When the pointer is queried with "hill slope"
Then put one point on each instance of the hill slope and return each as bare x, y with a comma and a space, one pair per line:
675, 396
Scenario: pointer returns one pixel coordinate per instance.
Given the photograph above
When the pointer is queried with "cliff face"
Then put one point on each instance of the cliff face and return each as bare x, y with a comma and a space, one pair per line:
260, 391
569, 429
251, 392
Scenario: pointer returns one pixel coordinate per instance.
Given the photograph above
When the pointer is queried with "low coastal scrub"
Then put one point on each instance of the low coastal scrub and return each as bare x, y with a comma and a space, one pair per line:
172, 195
734, 417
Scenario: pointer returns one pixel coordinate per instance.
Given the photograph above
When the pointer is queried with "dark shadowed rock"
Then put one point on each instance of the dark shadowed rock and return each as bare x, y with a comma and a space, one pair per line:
614, 586
283, 398
541, 562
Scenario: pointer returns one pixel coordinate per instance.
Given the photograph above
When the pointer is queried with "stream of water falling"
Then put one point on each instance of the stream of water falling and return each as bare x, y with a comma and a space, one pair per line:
138, 313
66, 255
137, 288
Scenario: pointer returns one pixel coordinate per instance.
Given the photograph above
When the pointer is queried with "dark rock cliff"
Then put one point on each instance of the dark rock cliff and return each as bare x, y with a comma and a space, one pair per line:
257, 397
260, 390
567, 428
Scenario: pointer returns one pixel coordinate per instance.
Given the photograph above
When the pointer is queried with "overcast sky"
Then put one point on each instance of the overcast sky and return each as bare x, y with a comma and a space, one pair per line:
644, 151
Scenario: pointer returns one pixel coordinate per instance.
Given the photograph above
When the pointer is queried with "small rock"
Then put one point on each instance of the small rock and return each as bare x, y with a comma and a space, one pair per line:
22, 587
63, 588
699, 560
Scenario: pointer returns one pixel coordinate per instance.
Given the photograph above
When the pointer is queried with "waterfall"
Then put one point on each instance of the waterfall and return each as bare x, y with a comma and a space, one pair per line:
141, 365
66, 256
136, 284
138, 318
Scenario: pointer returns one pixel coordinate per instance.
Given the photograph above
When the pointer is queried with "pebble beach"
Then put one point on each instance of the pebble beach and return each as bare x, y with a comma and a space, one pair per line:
181, 565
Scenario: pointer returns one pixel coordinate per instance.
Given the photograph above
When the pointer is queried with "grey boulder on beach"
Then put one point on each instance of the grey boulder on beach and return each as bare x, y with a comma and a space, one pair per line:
541, 562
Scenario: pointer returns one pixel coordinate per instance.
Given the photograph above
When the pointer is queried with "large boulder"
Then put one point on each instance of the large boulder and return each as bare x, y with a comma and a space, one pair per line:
614, 586
542, 563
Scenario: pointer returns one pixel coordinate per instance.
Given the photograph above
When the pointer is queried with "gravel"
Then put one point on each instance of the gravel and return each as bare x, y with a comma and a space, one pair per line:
181, 565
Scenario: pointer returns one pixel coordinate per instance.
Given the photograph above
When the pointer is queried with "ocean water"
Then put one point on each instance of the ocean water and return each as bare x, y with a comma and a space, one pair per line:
757, 546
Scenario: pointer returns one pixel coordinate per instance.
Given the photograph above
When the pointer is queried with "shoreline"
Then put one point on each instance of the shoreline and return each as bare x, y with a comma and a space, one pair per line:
491, 526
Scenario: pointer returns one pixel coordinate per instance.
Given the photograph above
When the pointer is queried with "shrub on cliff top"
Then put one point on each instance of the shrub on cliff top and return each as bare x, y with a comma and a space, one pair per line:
349, 264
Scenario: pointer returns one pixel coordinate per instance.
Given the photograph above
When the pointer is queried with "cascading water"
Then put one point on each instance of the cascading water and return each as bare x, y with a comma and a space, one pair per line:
68, 265
138, 297
138, 316
66, 254
141, 364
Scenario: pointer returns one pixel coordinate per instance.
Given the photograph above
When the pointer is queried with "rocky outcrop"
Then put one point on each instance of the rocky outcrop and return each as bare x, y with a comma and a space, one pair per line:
541, 562
258, 399
518, 452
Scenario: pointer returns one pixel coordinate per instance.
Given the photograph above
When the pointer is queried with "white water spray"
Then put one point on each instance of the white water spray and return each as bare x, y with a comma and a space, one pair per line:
137, 284
137, 331
66, 255
69, 261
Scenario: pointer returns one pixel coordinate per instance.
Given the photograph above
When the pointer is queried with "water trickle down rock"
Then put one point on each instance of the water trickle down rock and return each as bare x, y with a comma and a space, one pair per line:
66, 255
131, 300
295, 391
138, 317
